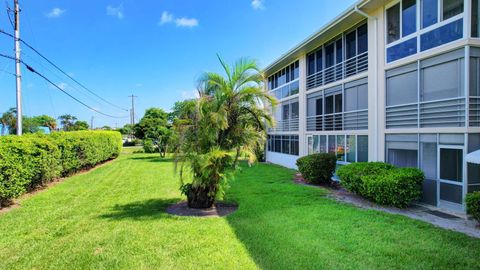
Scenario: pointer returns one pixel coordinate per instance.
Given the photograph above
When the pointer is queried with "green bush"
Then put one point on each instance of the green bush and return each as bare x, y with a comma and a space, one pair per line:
35, 159
149, 146
398, 187
351, 174
383, 183
317, 168
473, 205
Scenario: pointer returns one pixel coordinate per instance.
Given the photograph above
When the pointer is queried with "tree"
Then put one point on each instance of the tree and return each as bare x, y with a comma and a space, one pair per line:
126, 129
46, 121
230, 114
154, 126
9, 119
79, 125
67, 121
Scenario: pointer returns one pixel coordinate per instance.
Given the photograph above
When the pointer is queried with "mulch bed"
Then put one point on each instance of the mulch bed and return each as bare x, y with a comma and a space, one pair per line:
219, 209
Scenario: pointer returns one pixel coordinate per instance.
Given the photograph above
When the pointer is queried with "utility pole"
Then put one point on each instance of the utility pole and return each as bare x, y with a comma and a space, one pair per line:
18, 67
91, 123
132, 111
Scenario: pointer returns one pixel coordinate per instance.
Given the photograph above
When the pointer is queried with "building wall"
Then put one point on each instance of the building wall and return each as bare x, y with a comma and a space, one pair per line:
378, 132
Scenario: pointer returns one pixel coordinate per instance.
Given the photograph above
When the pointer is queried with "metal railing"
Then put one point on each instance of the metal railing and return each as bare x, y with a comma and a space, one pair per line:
339, 71
285, 125
474, 112
354, 120
439, 113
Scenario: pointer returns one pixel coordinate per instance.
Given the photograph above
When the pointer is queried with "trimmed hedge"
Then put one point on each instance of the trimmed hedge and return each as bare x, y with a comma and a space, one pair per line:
317, 168
351, 174
383, 183
473, 205
35, 159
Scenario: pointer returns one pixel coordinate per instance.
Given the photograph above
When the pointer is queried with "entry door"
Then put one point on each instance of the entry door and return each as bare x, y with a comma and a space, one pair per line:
451, 175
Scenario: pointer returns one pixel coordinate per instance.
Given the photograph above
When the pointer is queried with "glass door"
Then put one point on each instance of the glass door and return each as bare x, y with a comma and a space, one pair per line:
451, 177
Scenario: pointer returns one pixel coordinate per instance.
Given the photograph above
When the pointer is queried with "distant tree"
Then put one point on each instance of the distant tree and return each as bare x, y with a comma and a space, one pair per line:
126, 130
67, 121
9, 119
154, 126
107, 127
79, 125
46, 121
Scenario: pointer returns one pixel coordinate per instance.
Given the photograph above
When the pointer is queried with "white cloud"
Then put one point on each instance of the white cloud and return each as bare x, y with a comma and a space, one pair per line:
186, 22
258, 4
166, 18
55, 13
190, 94
115, 11
60, 85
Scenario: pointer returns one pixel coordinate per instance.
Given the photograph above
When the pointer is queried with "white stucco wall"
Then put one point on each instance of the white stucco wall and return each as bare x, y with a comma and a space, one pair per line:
282, 159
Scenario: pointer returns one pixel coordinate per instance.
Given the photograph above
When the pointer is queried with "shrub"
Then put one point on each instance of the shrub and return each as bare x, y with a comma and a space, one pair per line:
35, 159
149, 146
473, 205
317, 168
351, 175
396, 187
383, 183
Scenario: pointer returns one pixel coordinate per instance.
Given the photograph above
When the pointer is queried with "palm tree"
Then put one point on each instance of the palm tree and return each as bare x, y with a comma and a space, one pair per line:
231, 115
46, 121
9, 119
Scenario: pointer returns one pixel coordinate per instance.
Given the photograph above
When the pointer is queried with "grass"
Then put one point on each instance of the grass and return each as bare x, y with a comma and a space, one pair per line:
114, 218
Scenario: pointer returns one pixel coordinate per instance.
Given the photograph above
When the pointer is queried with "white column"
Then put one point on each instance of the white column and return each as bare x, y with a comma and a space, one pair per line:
302, 106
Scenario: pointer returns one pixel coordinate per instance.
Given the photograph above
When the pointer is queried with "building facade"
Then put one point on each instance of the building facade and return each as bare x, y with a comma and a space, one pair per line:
394, 81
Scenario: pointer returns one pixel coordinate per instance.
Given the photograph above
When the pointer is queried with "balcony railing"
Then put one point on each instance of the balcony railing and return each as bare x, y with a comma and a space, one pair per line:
339, 71
287, 125
439, 113
474, 109
354, 120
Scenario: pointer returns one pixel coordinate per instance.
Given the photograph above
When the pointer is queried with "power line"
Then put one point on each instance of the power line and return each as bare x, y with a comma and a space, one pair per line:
59, 88
62, 71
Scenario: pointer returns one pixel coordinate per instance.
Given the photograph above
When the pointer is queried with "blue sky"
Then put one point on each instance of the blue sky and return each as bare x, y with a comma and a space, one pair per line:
154, 49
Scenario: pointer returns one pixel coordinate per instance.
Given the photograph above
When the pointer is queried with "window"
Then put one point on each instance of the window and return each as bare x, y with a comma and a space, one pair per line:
311, 64
351, 44
402, 150
442, 81
442, 35
402, 50
330, 55
340, 149
409, 17
339, 51
284, 77
290, 110
338, 103
452, 8
402, 85
475, 77
329, 104
429, 12
362, 148
319, 54
331, 144
286, 144
475, 18
362, 39
356, 97
351, 148
393, 23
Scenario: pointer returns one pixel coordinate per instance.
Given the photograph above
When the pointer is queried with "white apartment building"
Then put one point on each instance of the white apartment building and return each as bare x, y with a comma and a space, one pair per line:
394, 81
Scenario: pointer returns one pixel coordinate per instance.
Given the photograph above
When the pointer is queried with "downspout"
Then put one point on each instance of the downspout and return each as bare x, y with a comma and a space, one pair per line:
375, 80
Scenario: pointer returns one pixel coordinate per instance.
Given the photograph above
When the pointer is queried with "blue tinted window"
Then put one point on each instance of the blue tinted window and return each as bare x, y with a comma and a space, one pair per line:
402, 50
409, 17
442, 35
429, 12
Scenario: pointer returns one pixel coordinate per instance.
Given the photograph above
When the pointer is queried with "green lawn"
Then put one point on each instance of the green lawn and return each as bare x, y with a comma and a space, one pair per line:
114, 217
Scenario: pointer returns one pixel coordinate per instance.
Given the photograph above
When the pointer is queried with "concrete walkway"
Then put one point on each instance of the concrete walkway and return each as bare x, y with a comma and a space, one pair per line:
431, 215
